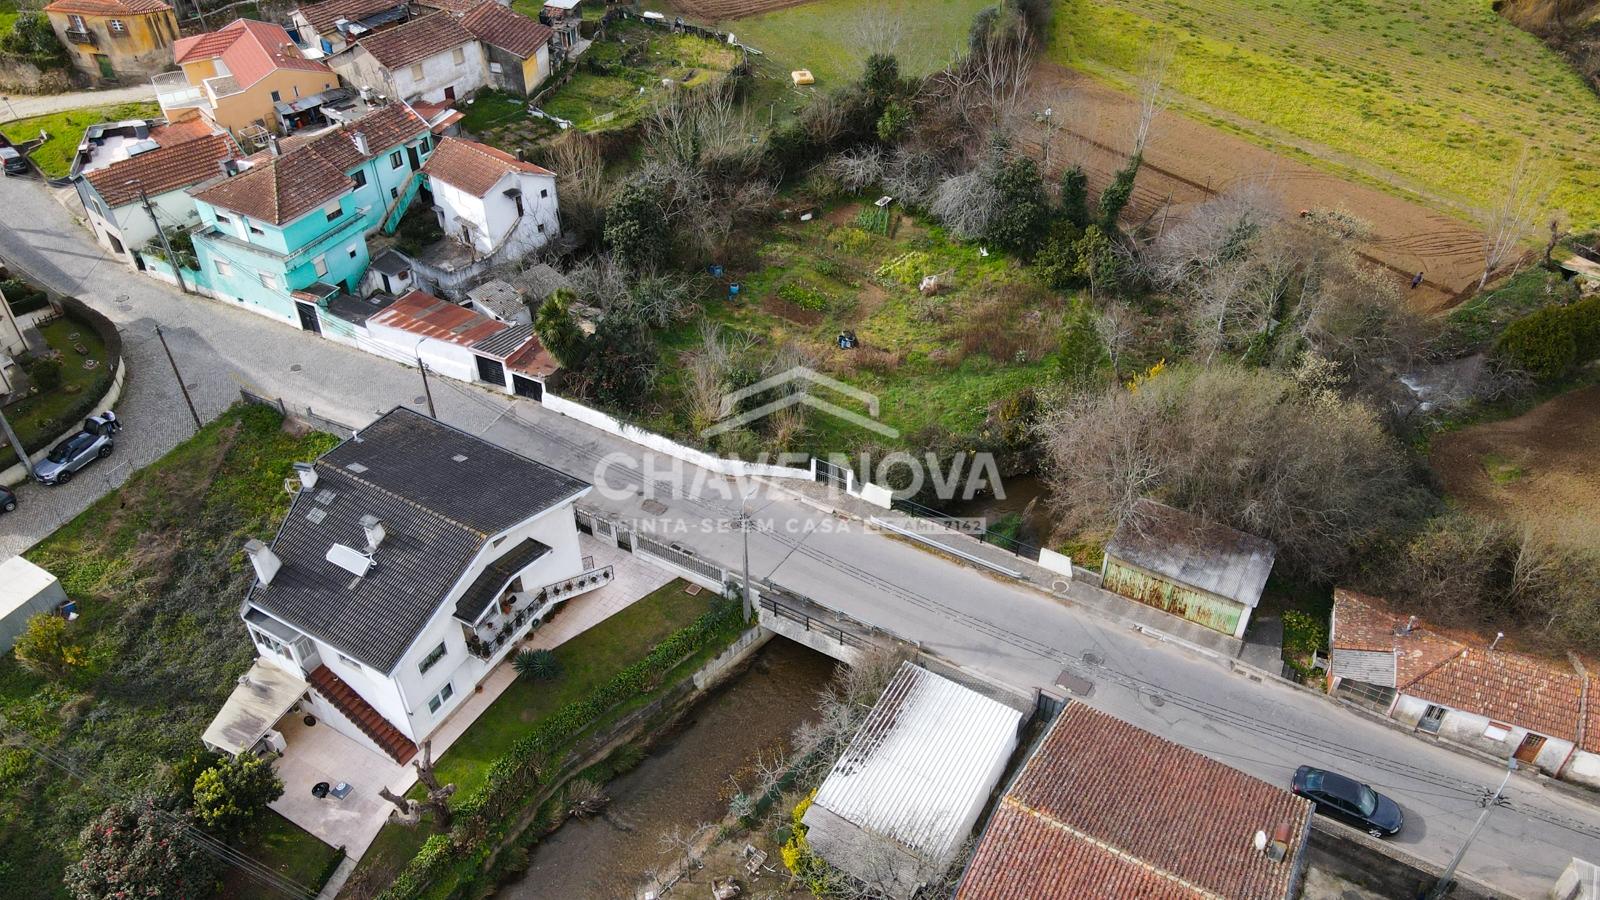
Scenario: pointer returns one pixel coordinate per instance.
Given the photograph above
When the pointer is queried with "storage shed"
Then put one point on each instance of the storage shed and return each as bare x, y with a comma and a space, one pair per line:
25, 591
904, 795
1207, 573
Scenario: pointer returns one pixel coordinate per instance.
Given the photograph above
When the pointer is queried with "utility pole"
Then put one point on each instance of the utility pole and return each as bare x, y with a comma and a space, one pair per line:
178, 375
1448, 877
426, 391
745, 523
172, 260
22, 453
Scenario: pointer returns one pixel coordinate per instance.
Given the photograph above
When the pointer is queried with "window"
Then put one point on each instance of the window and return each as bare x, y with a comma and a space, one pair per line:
272, 644
1497, 731
543, 193
394, 193
433, 656
359, 176
224, 220
395, 159
541, 228
458, 56
332, 211
1431, 719
349, 662
416, 72
438, 700
76, 22
117, 26
276, 96
321, 265
268, 280
352, 253
297, 90
222, 267
254, 229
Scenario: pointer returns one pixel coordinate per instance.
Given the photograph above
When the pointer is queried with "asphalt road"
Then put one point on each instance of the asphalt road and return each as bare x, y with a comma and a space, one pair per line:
1007, 631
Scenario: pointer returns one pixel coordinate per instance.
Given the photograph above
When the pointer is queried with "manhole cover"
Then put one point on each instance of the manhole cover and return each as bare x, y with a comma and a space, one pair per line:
654, 507
1157, 700
420, 401
1092, 658
295, 367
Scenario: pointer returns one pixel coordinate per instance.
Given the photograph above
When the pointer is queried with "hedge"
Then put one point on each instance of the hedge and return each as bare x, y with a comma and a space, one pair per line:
513, 776
1549, 342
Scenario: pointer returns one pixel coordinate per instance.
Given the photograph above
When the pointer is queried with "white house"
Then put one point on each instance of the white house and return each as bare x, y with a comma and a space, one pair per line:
487, 199
460, 343
413, 559
1465, 689
185, 156
433, 58
26, 590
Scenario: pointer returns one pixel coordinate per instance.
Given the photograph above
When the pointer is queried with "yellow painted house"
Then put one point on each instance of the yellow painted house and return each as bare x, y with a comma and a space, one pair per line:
234, 75
115, 40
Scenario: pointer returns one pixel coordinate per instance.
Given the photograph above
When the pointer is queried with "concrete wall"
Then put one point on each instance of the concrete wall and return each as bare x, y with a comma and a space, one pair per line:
1468, 730
441, 71
1376, 865
1583, 768
142, 49
130, 224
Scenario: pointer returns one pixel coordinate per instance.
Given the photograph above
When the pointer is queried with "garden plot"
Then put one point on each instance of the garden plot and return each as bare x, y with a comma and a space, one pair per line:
938, 359
1444, 95
620, 78
1188, 161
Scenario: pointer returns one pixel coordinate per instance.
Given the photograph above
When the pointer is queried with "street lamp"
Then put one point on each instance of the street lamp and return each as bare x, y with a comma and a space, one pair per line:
1443, 886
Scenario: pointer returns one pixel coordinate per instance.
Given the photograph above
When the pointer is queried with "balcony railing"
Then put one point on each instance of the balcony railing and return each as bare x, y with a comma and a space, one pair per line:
81, 37
520, 612
173, 90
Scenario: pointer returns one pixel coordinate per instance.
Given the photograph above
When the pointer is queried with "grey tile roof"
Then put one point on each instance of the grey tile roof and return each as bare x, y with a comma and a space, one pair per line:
505, 343
494, 577
1182, 547
499, 297
440, 493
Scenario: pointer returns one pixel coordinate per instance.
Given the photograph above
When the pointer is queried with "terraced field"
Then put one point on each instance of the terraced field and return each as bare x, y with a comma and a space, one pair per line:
1443, 94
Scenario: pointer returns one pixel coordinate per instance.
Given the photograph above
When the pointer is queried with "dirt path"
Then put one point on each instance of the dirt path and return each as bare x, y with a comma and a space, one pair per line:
1539, 469
21, 106
1188, 161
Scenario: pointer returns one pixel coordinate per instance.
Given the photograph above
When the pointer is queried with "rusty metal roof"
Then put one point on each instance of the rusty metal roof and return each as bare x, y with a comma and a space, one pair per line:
1187, 549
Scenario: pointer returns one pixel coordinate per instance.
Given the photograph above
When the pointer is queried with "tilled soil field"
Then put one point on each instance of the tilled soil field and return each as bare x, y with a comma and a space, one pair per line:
712, 11
1187, 161
1539, 469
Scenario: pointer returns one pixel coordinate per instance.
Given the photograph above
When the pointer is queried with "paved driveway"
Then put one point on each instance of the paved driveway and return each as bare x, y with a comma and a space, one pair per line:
986, 622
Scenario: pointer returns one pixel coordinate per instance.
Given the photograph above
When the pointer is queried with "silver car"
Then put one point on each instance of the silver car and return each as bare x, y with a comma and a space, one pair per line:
71, 455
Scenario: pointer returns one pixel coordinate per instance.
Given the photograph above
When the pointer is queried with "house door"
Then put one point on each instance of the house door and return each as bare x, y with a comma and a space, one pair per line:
416, 162
1530, 747
104, 62
527, 387
308, 317
491, 371
450, 94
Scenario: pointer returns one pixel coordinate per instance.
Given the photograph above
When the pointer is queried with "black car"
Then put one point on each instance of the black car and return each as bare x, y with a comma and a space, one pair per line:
8, 500
1350, 800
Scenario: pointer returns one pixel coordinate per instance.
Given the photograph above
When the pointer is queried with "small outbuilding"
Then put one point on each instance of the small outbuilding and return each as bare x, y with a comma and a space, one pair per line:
902, 799
1207, 573
26, 590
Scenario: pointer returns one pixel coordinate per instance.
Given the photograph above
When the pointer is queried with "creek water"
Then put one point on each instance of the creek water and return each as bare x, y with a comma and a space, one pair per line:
683, 782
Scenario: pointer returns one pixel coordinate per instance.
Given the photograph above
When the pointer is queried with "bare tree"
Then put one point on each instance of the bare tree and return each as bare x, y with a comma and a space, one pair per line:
1510, 221
1116, 325
857, 169
882, 32
409, 812
585, 798
689, 844
581, 180
1153, 95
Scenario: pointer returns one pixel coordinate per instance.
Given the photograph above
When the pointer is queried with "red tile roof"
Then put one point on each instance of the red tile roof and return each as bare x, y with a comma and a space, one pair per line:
280, 188
455, 6
473, 167
1103, 809
385, 128
416, 40
173, 133
108, 7
425, 315
166, 169
251, 50
510, 31
322, 16
1460, 671
533, 359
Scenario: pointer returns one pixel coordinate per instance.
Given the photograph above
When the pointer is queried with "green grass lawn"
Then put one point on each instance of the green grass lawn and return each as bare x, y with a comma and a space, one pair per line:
587, 661
157, 572
43, 416
285, 848
1444, 94
622, 75
54, 156
8, 15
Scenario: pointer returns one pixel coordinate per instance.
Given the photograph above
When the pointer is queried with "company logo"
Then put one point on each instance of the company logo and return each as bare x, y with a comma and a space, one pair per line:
793, 385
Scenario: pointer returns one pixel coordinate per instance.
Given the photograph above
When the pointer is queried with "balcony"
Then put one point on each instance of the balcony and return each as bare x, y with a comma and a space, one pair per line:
173, 91
76, 36
523, 611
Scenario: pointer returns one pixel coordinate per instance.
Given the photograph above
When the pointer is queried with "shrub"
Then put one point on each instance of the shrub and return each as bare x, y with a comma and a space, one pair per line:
805, 296
1075, 196
46, 648
138, 849
23, 297
44, 370
540, 665
1117, 194
636, 227
896, 118
1083, 354
908, 268
1542, 344
230, 795
1056, 263
1022, 210
1585, 318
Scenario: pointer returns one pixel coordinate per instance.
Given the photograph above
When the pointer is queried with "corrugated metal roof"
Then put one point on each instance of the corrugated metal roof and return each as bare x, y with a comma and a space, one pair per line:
923, 763
1191, 551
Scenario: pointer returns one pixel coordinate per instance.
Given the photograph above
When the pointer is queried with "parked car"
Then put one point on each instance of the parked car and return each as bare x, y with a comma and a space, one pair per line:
12, 161
71, 455
1345, 798
8, 500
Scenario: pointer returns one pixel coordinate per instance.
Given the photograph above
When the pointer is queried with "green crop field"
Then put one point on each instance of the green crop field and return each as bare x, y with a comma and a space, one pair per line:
830, 37
1444, 93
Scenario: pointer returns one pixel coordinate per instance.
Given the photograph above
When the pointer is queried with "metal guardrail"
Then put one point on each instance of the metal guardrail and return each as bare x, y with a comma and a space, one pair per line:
811, 624
679, 557
309, 416
1005, 542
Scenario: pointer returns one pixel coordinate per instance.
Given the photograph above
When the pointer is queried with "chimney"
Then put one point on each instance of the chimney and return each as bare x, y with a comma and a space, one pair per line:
361, 142
1406, 628
272, 145
1496, 642
307, 473
266, 562
373, 526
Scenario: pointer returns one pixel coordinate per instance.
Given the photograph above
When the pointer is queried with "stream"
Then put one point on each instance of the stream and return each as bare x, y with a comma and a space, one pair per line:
683, 782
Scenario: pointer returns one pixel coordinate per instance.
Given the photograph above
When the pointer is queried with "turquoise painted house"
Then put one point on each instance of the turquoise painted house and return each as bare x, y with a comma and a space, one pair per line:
298, 215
